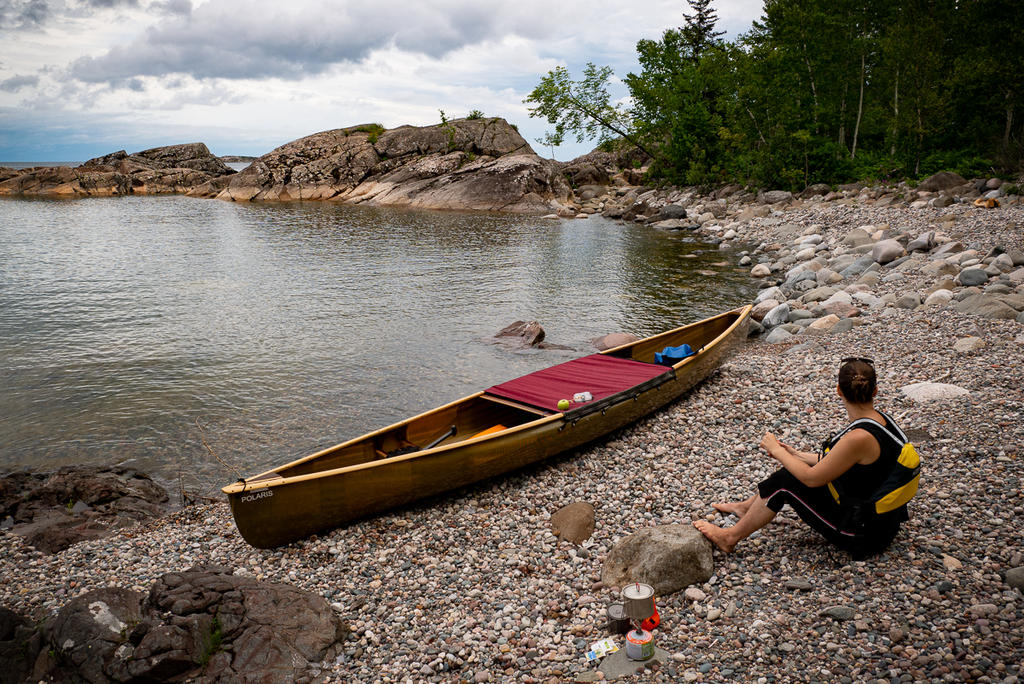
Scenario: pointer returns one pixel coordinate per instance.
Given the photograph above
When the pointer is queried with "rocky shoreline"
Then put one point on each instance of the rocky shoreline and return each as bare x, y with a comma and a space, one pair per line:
476, 587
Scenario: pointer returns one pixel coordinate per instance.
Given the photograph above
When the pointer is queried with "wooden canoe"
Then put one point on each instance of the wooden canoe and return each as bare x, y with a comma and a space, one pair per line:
497, 431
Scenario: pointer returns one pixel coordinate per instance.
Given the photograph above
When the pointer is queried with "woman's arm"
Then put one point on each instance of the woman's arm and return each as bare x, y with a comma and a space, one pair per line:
855, 446
771, 444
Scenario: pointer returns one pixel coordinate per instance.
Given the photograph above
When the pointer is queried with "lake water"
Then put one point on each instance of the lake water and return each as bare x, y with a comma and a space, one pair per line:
133, 329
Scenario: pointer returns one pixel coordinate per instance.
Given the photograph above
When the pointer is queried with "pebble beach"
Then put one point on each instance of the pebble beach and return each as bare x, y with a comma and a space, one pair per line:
474, 587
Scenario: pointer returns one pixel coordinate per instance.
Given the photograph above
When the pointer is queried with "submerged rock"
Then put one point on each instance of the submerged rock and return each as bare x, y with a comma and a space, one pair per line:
613, 340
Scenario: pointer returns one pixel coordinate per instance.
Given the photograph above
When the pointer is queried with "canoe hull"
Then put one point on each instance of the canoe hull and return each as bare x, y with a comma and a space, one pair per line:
271, 510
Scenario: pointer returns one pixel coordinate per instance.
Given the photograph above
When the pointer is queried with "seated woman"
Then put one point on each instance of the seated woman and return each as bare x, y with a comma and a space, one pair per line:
856, 462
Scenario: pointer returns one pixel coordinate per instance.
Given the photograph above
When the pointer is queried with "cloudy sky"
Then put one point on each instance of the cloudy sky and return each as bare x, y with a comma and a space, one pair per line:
82, 78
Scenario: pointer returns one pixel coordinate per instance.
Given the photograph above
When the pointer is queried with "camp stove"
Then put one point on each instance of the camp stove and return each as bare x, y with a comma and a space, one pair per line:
638, 604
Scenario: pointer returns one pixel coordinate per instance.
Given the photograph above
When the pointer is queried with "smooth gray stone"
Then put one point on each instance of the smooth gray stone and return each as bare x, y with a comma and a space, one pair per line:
844, 325
618, 665
838, 612
777, 335
973, 276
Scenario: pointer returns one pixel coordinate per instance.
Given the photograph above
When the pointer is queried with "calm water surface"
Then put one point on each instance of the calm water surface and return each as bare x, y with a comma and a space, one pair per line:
131, 329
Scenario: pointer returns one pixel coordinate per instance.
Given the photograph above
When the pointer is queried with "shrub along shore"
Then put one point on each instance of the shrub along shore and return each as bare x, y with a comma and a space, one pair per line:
474, 586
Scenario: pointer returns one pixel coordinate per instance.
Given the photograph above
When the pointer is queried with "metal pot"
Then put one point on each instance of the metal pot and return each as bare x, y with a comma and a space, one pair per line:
638, 600
618, 621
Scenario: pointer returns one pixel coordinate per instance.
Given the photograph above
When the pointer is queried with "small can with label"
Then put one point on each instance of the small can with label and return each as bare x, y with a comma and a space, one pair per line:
639, 645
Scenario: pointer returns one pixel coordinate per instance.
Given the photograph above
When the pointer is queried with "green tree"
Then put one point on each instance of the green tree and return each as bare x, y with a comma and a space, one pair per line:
918, 55
582, 108
990, 79
698, 32
676, 95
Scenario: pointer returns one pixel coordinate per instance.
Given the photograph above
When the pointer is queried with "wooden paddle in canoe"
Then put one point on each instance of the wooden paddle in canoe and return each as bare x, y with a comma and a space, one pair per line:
486, 434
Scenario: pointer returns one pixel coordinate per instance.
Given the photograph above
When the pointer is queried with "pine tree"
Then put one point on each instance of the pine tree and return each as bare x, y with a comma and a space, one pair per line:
698, 33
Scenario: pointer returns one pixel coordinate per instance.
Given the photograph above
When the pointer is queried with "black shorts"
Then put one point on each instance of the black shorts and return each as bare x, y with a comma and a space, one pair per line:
817, 508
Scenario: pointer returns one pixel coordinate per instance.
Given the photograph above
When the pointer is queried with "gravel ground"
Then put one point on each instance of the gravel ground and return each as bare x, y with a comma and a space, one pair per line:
474, 587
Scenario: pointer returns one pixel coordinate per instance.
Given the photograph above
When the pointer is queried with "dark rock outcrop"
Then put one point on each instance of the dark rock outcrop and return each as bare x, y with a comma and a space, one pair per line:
92, 628
587, 174
523, 335
53, 511
204, 625
20, 647
175, 169
467, 164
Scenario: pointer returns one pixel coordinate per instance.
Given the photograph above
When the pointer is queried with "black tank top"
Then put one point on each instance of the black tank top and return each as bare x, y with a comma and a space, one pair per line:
861, 481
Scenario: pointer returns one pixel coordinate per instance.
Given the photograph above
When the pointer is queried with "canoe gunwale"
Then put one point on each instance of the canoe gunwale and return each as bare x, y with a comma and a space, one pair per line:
238, 488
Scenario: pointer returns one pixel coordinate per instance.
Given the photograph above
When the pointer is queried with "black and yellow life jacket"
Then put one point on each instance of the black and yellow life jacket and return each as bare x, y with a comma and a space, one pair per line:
899, 486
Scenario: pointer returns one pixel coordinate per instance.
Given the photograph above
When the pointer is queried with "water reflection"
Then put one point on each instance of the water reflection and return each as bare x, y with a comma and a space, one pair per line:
129, 323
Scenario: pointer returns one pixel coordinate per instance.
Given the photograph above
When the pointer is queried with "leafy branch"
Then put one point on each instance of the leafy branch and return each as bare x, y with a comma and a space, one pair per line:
581, 107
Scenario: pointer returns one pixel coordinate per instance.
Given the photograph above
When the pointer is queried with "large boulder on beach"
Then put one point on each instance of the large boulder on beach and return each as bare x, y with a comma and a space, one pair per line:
574, 523
932, 391
466, 164
1015, 578
944, 180
203, 624
668, 557
762, 309
924, 241
54, 510
887, 250
815, 190
970, 277
775, 196
92, 627
777, 316
986, 306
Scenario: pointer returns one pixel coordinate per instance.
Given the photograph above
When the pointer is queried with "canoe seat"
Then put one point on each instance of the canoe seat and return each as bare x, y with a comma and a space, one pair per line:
490, 431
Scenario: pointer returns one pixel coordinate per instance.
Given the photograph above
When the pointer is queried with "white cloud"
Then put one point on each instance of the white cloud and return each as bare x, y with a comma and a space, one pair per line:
247, 76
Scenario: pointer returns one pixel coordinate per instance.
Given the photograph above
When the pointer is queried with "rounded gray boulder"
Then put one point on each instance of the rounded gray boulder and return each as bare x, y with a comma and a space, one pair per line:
667, 557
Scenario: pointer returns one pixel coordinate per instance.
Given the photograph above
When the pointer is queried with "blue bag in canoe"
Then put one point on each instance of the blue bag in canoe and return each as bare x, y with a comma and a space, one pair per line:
673, 355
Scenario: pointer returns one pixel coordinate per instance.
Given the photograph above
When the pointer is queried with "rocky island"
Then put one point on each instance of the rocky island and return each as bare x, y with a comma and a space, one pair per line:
176, 169
466, 164
478, 164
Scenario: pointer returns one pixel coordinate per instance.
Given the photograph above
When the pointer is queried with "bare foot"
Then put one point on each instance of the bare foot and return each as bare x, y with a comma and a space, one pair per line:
717, 535
739, 509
